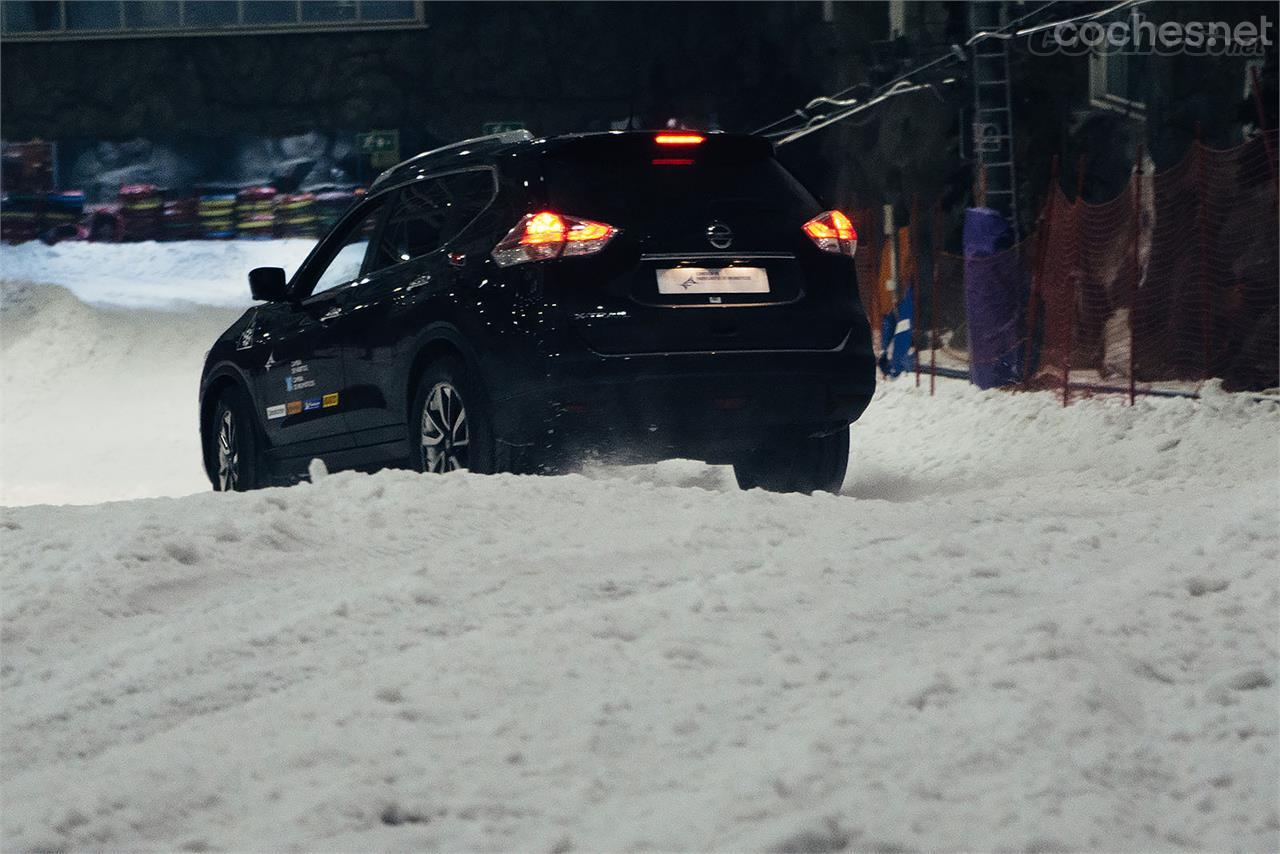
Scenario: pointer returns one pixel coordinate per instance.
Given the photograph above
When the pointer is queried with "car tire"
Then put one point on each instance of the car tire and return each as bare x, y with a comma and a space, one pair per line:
234, 461
796, 464
451, 429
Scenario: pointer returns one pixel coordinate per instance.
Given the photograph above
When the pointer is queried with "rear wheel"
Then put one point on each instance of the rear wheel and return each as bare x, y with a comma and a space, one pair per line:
794, 463
450, 428
233, 454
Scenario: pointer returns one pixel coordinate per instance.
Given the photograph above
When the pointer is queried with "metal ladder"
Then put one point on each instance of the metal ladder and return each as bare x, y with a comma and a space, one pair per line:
992, 123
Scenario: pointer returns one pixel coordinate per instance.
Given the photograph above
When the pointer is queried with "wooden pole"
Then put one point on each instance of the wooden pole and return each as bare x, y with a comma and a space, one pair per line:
915, 285
933, 295
1044, 229
1206, 295
1077, 212
1262, 127
1136, 184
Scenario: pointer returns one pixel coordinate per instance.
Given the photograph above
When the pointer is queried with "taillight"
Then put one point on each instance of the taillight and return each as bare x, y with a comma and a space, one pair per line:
833, 232
544, 236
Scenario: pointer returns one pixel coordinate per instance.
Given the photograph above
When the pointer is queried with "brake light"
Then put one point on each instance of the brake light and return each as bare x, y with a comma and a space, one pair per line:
833, 232
679, 139
544, 236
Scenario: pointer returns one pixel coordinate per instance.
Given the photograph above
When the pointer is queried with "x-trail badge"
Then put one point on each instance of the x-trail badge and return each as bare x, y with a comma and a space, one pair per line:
719, 235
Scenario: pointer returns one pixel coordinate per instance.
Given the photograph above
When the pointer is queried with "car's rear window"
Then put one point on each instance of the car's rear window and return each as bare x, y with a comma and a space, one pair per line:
637, 183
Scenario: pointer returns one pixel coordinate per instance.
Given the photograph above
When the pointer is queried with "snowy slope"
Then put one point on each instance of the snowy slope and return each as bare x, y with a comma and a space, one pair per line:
100, 352
99, 403
1020, 627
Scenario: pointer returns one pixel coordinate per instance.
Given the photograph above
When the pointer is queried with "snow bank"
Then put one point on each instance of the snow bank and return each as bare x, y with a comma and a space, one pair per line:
152, 274
99, 403
1020, 627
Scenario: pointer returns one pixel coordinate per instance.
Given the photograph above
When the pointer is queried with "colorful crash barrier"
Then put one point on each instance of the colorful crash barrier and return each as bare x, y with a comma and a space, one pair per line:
25, 216
145, 212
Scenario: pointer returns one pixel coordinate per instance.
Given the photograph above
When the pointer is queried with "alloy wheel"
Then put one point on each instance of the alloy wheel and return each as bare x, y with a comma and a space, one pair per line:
445, 432
228, 453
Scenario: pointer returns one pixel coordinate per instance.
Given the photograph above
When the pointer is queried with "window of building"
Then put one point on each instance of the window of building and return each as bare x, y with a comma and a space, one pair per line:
269, 12
31, 17
150, 14
78, 19
91, 15
384, 10
328, 10
212, 14
1115, 81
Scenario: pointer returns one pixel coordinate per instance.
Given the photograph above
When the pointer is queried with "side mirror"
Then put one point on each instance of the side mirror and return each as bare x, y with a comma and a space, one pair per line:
267, 284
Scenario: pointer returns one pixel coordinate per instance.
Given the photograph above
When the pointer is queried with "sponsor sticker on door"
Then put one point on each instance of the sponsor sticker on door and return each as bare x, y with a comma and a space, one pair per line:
330, 400
276, 411
713, 280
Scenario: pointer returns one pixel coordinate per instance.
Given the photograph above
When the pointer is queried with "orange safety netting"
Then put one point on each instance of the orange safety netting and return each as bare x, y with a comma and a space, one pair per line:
1174, 281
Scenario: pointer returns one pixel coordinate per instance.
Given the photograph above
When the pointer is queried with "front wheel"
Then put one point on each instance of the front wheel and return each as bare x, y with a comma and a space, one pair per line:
233, 455
796, 464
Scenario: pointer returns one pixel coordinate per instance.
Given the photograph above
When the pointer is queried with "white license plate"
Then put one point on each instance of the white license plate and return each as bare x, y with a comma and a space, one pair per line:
705, 280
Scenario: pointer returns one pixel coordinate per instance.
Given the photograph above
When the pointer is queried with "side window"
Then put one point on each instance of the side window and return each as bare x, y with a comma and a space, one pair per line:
416, 223
469, 193
345, 264
428, 214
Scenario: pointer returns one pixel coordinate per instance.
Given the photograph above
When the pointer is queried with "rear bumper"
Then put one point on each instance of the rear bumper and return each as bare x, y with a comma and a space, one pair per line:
700, 405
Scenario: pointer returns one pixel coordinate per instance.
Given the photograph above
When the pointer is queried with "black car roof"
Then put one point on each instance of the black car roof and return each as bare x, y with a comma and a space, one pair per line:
430, 161
488, 148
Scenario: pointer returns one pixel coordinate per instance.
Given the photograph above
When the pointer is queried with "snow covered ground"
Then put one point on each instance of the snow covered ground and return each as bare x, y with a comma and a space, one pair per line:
1020, 627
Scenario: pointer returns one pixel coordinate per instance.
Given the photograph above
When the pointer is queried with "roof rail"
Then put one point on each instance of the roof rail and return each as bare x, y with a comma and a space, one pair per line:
506, 137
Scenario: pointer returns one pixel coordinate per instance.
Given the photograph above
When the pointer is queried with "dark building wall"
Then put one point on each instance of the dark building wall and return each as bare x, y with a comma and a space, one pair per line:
1185, 94
576, 66
555, 66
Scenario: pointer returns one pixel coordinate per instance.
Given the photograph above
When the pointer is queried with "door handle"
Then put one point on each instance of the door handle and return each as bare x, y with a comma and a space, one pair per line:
418, 283
332, 314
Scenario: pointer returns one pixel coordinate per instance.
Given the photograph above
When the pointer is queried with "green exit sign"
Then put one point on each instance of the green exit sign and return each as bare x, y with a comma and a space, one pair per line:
490, 128
379, 142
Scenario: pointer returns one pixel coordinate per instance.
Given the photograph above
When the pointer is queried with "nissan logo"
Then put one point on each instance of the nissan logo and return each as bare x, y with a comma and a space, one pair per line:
719, 235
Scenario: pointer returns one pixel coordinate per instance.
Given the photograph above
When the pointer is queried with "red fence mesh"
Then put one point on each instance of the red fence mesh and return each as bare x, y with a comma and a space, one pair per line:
1174, 281
867, 260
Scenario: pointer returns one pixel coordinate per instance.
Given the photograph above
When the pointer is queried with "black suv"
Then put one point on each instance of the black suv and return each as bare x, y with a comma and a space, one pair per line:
511, 304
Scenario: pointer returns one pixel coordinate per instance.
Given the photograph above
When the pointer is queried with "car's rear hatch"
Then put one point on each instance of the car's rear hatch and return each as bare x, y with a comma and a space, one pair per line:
710, 253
